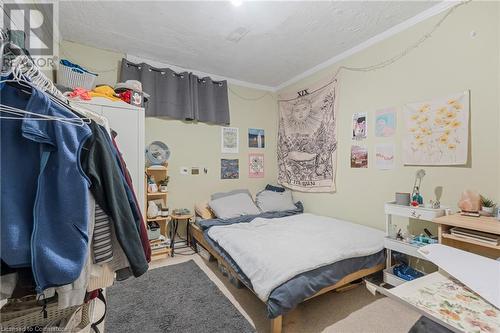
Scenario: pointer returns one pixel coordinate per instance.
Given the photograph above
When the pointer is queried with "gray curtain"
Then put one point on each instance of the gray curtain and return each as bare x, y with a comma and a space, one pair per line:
210, 103
181, 96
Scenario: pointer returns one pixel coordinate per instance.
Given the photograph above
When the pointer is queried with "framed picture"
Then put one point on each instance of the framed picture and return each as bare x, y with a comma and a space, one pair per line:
229, 168
229, 140
256, 138
256, 165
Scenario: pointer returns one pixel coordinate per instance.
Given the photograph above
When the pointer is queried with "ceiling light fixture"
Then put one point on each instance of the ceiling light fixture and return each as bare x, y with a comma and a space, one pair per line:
237, 3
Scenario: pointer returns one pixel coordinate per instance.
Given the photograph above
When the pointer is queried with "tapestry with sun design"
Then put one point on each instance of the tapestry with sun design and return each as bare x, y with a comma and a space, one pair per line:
437, 132
307, 140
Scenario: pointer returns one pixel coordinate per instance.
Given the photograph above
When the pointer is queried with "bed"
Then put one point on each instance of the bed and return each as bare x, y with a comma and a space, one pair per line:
288, 257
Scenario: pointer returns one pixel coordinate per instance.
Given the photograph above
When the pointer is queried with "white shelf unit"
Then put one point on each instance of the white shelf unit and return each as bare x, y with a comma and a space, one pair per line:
391, 244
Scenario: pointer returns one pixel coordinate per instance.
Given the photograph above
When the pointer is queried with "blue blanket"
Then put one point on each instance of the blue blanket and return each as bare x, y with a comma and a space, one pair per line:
206, 224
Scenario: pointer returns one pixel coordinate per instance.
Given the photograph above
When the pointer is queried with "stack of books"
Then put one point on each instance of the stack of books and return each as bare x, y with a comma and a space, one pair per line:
160, 244
479, 236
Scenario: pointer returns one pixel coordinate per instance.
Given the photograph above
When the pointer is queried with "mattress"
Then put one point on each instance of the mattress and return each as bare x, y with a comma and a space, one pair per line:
286, 294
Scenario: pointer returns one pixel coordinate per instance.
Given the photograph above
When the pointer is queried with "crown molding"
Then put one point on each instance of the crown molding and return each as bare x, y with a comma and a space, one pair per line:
434, 10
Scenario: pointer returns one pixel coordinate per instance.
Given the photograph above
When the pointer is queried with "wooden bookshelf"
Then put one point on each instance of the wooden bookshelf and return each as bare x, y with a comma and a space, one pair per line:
159, 173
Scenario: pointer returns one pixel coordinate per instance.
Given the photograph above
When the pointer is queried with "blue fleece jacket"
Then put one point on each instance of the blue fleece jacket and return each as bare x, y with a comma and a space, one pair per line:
44, 197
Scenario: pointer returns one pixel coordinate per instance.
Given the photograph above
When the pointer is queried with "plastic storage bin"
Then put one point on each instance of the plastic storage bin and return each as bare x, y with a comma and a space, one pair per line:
73, 77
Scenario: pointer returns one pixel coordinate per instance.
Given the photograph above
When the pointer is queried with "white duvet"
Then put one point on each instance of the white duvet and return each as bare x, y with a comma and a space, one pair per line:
272, 251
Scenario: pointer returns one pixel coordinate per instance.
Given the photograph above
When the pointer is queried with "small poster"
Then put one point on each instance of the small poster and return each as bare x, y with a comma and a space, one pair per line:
384, 156
256, 138
359, 126
359, 157
229, 140
256, 165
385, 122
229, 168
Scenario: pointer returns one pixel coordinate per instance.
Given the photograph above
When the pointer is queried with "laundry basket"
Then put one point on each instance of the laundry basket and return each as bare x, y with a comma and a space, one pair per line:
73, 76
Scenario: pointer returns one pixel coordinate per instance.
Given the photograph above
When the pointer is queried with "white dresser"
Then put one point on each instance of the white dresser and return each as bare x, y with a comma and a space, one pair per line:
128, 121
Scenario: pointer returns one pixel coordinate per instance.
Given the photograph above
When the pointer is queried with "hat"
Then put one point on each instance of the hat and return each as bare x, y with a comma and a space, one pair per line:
131, 85
104, 91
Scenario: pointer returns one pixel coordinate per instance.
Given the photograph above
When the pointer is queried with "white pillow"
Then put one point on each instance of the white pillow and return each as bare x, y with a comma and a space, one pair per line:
270, 201
234, 206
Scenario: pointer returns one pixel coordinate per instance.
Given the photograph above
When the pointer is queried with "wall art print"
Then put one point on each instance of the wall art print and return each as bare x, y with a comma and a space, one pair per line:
229, 140
359, 126
437, 132
359, 157
384, 156
256, 165
229, 168
256, 138
385, 122
307, 142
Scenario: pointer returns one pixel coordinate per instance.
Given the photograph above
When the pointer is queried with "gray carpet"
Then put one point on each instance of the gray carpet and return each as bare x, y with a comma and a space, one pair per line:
176, 298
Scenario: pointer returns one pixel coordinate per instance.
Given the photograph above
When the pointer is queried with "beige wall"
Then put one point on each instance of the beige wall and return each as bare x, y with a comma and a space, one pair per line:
198, 144
451, 61
102, 62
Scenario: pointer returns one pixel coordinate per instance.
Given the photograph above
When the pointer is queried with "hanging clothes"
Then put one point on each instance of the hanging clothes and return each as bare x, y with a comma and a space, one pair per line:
101, 245
43, 190
99, 164
142, 225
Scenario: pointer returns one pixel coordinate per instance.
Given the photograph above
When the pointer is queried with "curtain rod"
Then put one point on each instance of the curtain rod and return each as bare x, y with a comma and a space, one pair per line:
181, 75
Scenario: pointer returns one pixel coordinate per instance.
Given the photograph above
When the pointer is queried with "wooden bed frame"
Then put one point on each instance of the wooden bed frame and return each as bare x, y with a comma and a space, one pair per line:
277, 323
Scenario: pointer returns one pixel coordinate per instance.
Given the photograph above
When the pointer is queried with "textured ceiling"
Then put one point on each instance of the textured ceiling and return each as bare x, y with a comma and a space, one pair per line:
262, 42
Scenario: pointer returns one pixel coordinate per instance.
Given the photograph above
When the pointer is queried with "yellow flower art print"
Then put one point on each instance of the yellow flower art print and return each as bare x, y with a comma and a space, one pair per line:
437, 131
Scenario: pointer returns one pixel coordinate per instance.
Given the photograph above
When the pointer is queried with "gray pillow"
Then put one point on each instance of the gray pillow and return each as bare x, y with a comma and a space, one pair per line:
270, 201
233, 206
219, 195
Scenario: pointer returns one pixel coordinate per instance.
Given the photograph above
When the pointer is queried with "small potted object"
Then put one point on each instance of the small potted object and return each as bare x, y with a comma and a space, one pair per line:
487, 205
163, 184
152, 187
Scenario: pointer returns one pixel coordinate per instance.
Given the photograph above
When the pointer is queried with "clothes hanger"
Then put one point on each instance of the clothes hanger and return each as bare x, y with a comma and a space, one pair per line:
25, 72
18, 78
21, 115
